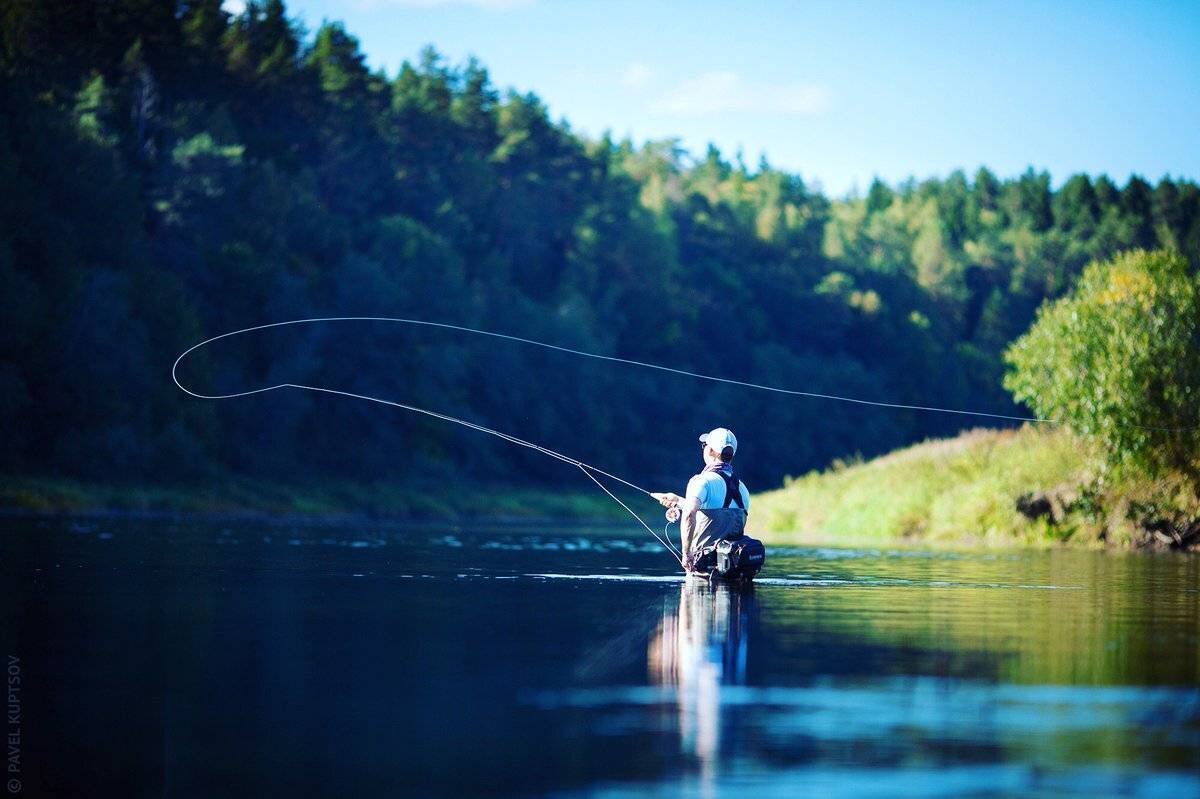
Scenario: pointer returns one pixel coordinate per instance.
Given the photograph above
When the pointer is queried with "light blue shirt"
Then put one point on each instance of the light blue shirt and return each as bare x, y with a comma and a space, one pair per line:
708, 489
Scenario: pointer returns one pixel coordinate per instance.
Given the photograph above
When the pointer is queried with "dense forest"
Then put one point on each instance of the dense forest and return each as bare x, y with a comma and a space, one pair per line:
172, 172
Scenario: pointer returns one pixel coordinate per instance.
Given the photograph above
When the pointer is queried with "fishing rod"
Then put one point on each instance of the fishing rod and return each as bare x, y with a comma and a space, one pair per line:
589, 470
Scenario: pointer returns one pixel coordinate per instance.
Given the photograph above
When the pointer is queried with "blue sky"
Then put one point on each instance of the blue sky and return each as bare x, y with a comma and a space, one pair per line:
837, 92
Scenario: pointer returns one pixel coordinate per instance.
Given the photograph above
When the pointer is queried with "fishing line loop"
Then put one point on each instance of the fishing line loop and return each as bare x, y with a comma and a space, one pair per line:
586, 468
586, 354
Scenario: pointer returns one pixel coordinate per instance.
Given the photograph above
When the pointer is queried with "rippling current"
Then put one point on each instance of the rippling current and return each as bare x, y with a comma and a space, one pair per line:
178, 659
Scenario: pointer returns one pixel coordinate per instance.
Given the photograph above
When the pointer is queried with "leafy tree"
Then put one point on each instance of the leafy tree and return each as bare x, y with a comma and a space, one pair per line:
1076, 208
1119, 360
1136, 203
953, 198
1027, 200
985, 191
879, 196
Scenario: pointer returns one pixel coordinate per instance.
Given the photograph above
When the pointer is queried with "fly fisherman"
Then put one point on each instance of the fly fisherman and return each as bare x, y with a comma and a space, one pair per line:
715, 505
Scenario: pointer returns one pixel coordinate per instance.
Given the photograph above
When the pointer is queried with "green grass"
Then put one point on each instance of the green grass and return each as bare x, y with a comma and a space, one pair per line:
954, 491
246, 496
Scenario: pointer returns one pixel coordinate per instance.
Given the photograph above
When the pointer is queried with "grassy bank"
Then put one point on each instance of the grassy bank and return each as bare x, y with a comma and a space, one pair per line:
1032, 487
238, 496
965, 491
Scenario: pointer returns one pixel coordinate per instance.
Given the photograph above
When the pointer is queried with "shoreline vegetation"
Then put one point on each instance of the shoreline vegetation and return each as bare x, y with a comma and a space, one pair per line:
1030, 487
252, 498
1033, 487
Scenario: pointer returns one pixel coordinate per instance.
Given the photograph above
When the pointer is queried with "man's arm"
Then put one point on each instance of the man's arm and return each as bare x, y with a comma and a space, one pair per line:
687, 525
688, 505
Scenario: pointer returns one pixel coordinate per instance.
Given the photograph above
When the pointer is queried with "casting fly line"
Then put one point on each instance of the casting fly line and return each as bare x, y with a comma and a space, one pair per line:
587, 469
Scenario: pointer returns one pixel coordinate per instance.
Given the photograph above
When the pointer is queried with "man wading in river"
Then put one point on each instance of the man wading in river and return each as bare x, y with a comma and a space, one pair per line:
713, 515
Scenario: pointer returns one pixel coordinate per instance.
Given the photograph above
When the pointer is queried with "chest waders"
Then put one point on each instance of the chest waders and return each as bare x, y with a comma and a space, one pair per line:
720, 546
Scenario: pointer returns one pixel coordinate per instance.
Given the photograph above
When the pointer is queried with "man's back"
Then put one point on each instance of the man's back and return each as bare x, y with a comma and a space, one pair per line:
715, 520
709, 490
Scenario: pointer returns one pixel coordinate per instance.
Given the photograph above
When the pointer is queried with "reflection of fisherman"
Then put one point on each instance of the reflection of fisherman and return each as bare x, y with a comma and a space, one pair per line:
699, 647
715, 504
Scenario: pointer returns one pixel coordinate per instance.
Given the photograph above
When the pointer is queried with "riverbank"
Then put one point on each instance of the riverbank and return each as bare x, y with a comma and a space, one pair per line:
243, 497
1031, 487
1025, 488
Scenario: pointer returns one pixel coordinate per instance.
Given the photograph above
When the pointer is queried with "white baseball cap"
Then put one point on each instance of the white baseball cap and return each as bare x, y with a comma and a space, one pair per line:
719, 439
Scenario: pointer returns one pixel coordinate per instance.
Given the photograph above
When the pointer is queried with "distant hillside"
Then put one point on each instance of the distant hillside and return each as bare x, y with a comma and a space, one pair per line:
173, 172
1033, 486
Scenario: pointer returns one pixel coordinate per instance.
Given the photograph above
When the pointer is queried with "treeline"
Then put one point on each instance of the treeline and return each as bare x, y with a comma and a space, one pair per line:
171, 172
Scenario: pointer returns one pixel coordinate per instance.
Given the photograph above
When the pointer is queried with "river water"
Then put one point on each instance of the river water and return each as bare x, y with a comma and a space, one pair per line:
183, 659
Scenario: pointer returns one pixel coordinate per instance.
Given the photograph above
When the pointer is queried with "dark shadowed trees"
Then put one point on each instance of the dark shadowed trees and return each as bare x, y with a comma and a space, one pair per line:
173, 172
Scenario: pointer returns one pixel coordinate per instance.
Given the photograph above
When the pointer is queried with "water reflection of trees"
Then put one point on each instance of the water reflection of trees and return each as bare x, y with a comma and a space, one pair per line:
699, 646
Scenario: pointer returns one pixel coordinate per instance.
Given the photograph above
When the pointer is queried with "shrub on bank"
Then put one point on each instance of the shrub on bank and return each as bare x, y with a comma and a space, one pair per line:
1118, 361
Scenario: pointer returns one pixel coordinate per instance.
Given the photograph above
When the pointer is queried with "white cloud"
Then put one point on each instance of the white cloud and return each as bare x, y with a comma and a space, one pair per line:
234, 7
724, 91
486, 5
636, 75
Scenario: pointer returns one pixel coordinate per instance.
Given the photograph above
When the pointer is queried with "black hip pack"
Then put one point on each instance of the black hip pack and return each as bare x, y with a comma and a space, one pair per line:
739, 558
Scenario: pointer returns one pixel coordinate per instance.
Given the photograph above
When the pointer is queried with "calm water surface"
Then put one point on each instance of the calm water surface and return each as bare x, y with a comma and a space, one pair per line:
195, 660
